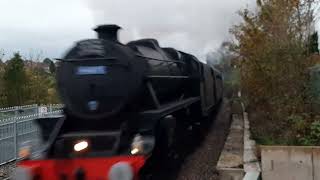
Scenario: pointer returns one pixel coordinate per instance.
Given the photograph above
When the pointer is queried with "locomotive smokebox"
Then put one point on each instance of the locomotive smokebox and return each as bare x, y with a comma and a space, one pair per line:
98, 78
108, 32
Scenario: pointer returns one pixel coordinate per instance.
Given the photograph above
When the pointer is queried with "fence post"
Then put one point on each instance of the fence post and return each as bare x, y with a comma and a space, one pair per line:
37, 109
15, 132
16, 110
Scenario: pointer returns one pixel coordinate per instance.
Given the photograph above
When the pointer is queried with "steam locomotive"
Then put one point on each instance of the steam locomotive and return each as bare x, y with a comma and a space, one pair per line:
123, 103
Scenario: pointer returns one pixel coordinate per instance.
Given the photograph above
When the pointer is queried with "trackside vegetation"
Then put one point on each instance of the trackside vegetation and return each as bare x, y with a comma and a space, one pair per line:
27, 81
276, 47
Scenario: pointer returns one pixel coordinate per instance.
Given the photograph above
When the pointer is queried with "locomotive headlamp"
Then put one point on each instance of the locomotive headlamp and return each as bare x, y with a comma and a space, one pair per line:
80, 146
142, 144
135, 151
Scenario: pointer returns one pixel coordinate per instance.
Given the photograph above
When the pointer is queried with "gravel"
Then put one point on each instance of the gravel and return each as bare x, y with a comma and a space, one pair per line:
6, 170
201, 164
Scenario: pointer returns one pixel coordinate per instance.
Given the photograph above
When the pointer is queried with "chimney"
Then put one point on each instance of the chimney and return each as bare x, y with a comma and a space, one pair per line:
108, 32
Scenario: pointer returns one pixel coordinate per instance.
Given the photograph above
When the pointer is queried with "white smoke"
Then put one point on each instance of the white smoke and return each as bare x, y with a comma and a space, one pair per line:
194, 26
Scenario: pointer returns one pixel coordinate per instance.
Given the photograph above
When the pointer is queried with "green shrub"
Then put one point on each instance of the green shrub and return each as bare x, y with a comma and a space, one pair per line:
313, 136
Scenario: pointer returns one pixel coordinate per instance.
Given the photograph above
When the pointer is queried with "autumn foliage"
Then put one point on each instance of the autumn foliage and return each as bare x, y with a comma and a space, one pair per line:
22, 83
274, 57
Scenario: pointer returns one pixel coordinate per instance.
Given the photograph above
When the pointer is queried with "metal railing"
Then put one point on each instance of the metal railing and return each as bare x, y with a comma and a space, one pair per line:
17, 125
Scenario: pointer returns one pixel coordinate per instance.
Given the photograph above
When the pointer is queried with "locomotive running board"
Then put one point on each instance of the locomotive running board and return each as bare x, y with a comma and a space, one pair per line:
149, 117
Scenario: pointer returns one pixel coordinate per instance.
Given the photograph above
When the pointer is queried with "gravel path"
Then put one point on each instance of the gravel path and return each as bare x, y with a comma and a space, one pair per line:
201, 164
7, 170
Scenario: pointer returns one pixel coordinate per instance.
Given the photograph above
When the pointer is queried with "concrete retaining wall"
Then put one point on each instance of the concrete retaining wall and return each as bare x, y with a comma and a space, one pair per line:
290, 163
238, 159
230, 164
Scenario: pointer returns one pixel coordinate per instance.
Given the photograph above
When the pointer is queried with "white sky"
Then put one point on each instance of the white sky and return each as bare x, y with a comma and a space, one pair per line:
51, 26
43, 25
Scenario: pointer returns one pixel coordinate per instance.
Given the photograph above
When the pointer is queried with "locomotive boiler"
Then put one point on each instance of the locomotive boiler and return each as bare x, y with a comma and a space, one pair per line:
123, 103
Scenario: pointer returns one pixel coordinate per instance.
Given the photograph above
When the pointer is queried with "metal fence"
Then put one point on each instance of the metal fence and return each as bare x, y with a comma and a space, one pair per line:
17, 126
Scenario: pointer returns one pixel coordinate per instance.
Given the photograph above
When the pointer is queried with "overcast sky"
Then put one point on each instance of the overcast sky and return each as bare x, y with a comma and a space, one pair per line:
51, 26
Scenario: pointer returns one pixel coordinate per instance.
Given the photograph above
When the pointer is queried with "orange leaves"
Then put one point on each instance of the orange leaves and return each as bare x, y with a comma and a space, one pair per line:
273, 56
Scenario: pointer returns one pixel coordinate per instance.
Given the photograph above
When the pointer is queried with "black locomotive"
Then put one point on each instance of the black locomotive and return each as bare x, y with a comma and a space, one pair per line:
104, 81
127, 99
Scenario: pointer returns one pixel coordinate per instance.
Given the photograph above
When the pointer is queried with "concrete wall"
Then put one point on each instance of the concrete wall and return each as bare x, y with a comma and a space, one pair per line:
290, 163
231, 158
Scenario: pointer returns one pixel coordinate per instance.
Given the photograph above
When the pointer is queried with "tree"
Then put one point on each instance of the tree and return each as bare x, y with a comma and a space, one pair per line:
313, 44
50, 63
3, 97
52, 67
271, 45
38, 85
47, 61
2, 54
15, 81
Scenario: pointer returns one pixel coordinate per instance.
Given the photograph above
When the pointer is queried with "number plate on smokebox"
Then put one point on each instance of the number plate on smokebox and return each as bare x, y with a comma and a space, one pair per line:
91, 70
